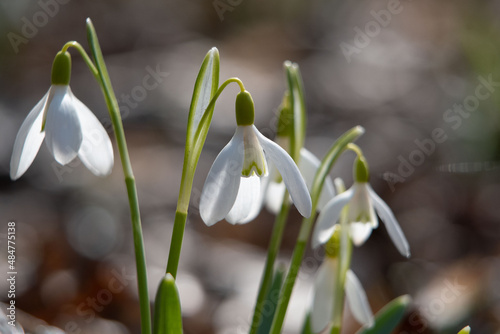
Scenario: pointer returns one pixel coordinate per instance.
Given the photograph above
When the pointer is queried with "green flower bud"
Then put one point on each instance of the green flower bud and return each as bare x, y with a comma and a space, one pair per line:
361, 172
245, 113
61, 69
285, 120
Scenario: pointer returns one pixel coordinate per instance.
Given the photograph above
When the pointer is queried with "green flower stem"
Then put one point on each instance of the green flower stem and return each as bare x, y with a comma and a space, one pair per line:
190, 162
344, 265
307, 223
116, 120
356, 149
272, 252
86, 58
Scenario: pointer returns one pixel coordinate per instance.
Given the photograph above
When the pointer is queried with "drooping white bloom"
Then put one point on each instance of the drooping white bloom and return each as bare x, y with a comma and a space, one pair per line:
233, 186
69, 128
363, 203
308, 165
324, 296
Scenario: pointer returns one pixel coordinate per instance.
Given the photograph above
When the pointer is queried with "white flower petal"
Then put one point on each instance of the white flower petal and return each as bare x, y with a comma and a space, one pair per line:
324, 287
308, 166
28, 141
357, 300
360, 232
289, 172
361, 207
248, 201
391, 224
328, 217
274, 196
223, 181
63, 134
96, 151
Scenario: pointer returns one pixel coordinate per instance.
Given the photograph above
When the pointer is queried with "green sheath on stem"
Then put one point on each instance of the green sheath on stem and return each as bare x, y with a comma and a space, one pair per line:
101, 73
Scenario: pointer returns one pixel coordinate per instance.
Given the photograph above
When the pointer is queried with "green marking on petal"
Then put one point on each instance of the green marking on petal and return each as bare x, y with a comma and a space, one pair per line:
361, 207
254, 161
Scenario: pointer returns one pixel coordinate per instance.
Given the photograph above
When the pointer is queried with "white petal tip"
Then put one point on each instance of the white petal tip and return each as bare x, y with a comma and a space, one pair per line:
360, 129
209, 222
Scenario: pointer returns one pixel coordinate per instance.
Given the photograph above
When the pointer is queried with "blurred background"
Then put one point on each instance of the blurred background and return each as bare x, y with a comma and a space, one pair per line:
423, 78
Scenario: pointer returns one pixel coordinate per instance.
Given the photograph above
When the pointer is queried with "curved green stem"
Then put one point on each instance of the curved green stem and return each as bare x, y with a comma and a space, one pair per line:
85, 56
114, 111
307, 223
356, 149
272, 252
188, 170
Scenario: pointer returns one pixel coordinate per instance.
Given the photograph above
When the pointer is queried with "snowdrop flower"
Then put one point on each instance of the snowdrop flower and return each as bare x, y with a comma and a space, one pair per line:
233, 186
363, 202
324, 296
69, 128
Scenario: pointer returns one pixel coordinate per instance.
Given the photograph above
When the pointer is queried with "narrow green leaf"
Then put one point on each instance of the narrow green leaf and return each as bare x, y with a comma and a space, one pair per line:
167, 315
307, 325
271, 301
205, 87
465, 330
96, 52
298, 107
389, 316
199, 119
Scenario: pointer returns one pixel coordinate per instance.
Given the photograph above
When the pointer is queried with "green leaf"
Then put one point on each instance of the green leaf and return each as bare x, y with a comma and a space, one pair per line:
96, 52
307, 325
205, 87
271, 301
199, 119
326, 164
167, 315
298, 108
465, 330
389, 316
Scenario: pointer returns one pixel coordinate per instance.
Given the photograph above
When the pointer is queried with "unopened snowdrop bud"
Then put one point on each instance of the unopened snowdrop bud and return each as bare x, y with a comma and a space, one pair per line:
61, 68
308, 163
285, 120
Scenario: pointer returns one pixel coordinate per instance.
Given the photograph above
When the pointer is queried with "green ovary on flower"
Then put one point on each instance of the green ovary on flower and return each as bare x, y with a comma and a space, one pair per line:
254, 161
61, 69
245, 110
361, 171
